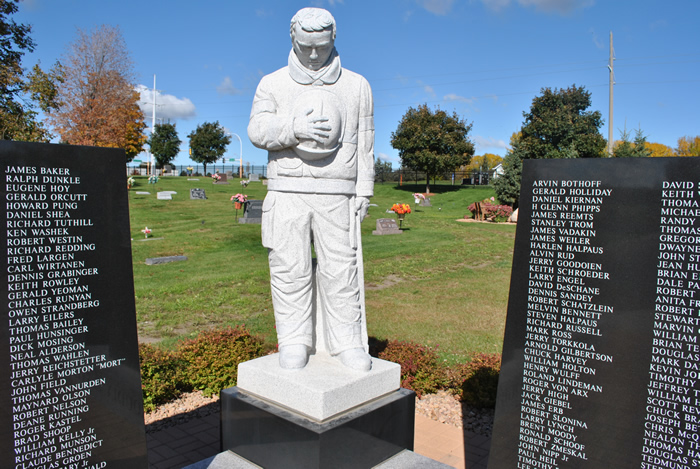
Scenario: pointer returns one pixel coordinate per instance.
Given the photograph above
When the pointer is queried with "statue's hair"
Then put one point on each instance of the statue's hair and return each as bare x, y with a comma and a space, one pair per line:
313, 19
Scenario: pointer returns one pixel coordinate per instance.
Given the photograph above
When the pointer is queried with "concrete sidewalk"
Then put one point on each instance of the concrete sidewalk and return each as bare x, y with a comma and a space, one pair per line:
180, 445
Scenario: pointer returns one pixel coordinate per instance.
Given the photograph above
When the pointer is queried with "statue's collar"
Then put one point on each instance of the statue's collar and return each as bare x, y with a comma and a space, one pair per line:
326, 76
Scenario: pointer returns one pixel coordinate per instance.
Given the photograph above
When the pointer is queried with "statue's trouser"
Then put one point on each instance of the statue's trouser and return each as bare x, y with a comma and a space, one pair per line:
291, 222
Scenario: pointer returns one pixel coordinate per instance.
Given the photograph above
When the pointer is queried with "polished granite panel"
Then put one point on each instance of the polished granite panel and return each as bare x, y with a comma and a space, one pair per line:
275, 437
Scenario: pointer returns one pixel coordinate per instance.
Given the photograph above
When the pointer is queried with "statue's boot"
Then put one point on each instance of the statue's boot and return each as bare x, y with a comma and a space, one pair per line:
294, 356
356, 358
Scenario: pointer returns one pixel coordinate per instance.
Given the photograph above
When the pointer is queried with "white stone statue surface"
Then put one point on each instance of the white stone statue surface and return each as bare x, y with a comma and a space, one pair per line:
315, 119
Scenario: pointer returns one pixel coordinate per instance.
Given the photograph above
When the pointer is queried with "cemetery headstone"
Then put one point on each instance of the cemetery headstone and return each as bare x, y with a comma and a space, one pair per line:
252, 177
197, 194
69, 364
142, 193
601, 360
223, 179
387, 226
164, 196
253, 212
165, 260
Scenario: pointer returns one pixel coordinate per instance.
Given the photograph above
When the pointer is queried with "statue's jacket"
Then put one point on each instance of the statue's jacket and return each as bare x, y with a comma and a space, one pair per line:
348, 97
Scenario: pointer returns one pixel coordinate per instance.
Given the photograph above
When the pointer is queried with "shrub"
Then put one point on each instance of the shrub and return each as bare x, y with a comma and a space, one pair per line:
420, 369
161, 379
476, 382
499, 213
213, 356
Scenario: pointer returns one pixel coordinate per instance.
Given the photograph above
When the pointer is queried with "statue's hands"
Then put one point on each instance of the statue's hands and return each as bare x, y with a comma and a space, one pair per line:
314, 128
362, 207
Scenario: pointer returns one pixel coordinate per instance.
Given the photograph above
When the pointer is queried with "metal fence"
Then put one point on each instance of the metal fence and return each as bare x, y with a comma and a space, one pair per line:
400, 176
404, 176
198, 170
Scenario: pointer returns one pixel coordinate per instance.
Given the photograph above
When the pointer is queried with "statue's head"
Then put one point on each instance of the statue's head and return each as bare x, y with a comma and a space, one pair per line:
313, 36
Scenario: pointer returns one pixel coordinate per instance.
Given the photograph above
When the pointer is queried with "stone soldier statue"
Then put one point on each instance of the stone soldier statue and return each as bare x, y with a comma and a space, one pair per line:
315, 119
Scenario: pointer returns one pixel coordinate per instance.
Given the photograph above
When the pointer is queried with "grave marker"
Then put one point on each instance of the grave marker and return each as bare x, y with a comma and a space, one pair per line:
387, 226
197, 194
601, 355
69, 364
253, 212
223, 179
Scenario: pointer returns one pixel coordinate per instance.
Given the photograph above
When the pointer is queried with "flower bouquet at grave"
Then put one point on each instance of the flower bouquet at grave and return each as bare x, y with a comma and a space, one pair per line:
418, 197
215, 178
244, 183
146, 231
129, 183
153, 179
238, 200
401, 210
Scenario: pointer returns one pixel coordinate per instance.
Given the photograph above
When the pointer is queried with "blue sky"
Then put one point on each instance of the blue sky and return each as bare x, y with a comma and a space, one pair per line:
484, 59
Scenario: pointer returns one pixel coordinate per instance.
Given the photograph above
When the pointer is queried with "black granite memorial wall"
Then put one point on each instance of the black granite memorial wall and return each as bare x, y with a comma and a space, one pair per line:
601, 355
69, 365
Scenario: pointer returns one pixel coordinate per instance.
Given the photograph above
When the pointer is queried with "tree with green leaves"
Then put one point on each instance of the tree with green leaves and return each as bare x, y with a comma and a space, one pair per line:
558, 125
164, 143
382, 169
208, 143
432, 141
19, 95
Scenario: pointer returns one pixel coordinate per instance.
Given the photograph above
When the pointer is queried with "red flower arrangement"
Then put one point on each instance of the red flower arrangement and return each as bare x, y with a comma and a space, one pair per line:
401, 209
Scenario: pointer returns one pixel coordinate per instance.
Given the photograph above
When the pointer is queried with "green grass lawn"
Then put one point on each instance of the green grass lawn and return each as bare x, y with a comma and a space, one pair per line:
441, 282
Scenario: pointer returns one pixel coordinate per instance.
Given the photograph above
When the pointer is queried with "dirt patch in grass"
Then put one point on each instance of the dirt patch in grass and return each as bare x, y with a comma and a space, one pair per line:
388, 282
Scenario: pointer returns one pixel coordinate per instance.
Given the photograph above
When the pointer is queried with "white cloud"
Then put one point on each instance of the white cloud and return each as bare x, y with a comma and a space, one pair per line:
557, 6
167, 105
596, 40
456, 97
226, 87
496, 5
437, 7
563, 7
385, 157
483, 143
429, 89
321, 3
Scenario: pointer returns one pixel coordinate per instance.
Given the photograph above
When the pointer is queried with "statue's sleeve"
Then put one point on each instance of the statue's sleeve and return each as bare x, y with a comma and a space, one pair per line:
365, 143
267, 129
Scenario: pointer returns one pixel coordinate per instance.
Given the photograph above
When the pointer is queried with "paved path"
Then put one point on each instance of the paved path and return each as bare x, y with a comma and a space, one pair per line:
187, 443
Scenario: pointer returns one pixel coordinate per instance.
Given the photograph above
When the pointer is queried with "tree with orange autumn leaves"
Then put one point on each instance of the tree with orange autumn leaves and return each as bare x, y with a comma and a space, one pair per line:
99, 104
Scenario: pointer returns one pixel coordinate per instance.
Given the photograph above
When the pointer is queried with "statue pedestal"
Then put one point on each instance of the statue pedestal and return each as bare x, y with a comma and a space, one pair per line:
320, 390
324, 415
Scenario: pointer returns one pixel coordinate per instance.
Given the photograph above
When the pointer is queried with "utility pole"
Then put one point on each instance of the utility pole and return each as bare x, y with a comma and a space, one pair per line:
153, 126
610, 105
